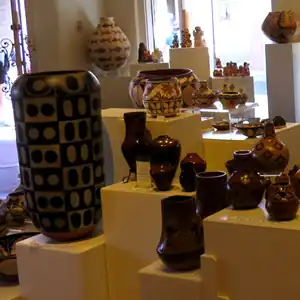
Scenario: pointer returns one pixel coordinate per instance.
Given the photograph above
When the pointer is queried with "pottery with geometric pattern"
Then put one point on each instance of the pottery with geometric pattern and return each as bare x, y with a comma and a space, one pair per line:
59, 141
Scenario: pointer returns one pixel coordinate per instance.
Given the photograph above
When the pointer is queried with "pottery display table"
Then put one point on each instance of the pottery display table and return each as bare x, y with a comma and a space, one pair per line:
135, 68
132, 226
62, 271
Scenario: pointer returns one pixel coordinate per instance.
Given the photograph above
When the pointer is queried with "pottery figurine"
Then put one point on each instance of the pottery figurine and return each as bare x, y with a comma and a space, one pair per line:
280, 26
16, 208
109, 47
199, 40
191, 165
157, 56
245, 185
204, 96
162, 97
175, 42
144, 54
271, 154
181, 243
187, 81
186, 39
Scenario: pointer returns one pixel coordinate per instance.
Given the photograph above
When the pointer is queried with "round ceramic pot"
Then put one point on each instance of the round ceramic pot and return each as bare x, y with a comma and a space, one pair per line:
59, 142
204, 97
187, 80
109, 47
162, 97
250, 130
280, 26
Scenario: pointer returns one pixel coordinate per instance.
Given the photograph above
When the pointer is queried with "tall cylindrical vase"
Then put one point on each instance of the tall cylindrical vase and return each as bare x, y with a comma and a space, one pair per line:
58, 127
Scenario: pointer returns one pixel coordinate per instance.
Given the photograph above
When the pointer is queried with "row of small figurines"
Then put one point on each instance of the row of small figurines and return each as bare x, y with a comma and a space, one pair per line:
231, 69
144, 55
186, 41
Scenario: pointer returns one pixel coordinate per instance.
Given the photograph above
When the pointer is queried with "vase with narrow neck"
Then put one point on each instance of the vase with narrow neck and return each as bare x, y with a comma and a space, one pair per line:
270, 153
137, 142
245, 186
181, 243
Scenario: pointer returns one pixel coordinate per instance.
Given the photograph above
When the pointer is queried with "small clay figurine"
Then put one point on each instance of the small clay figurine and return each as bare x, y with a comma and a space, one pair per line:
198, 34
175, 42
186, 39
218, 63
144, 55
157, 56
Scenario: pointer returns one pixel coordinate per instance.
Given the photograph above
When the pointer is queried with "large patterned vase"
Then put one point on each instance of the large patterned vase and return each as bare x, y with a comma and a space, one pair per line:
109, 47
58, 126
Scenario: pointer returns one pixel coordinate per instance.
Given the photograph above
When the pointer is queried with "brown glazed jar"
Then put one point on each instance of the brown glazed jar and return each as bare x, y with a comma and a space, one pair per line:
164, 160
181, 243
190, 166
137, 142
282, 203
294, 175
272, 156
245, 185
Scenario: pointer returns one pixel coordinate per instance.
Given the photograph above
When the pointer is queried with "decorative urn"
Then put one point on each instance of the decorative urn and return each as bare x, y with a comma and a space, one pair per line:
230, 98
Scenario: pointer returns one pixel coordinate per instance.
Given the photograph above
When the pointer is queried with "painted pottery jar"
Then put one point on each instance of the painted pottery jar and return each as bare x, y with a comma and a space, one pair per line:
245, 186
181, 243
282, 204
162, 97
137, 141
165, 157
59, 142
109, 47
250, 130
230, 98
272, 155
204, 96
187, 80
280, 26
191, 164
211, 192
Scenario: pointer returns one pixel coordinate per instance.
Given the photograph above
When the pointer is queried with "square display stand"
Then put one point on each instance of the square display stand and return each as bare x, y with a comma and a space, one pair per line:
254, 257
196, 59
246, 83
62, 271
114, 92
132, 226
220, 145
135, 68
283, 77
115, 166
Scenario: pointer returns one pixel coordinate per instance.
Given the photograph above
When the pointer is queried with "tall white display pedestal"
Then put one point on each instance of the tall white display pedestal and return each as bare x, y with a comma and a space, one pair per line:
135, 68
62, 271
132, 226
196, 59
283, 77
182, 128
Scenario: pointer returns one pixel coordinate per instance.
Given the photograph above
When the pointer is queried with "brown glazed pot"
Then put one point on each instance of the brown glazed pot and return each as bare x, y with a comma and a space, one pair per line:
245, 186
211, 193
181, 242
271, 155
165, 156
137, 142
281, 202
188, 82
294, 175
190, 166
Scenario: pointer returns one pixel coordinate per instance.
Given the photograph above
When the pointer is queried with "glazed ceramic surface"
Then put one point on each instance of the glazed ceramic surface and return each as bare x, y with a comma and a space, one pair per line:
280, 26
294, 175
245, 186
187, 80
162, 97
58, 128
230, 98
181, 242
204, 96
270, 153
109, 47
251, 130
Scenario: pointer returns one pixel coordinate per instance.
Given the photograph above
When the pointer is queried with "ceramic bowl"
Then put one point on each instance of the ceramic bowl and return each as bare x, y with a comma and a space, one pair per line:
250, 130
221, 126
230, 100
8, 258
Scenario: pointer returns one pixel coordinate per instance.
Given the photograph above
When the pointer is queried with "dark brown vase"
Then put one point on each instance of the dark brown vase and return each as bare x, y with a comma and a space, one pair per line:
294, 175
165, 156
190, 166
137, 142
281, 202
272, 156
211, 192
181, 242
245, 185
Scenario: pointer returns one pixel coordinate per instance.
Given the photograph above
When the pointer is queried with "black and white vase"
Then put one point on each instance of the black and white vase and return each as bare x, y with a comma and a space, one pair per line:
58, 126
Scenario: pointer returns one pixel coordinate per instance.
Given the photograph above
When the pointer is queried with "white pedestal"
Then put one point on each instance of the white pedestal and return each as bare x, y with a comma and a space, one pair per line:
71, 271
283, 77
160, 284
132, 226
196, 59
245, 83
114, 91
255, 258
181, 127
135, 68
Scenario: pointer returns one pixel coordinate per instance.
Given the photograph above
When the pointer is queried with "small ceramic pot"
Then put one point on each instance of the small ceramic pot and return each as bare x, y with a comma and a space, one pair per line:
16, 209
294, 175
163, 175
230, 98
204, 97
162, 97
250, 130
